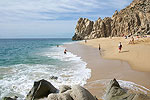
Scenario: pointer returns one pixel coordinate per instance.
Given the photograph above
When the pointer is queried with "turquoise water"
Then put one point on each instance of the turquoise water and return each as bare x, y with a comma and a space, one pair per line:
24, 51
23, 61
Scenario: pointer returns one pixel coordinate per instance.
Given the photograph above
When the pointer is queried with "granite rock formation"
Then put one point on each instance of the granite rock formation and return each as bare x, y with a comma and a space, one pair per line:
134, 19
115, 92
41, 89
73, 93
83, 29
44, 90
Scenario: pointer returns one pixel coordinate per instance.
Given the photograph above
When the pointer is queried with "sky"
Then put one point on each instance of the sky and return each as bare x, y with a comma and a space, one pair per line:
51, 18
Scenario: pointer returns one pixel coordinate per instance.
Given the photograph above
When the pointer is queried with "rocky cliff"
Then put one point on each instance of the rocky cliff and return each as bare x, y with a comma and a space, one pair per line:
134, 19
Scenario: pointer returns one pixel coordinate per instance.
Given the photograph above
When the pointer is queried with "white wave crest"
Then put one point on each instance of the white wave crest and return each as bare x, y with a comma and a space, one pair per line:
20, 78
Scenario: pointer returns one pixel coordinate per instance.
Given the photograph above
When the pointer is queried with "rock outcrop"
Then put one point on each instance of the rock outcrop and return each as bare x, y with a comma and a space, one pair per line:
115, 92
134, 19
83, 29
101, 28
54, 77
73, 93
41, 89
44, 90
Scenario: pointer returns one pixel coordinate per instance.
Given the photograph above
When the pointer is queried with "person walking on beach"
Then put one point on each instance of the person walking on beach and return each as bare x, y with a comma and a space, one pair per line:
99, 47
65, 51
120, 47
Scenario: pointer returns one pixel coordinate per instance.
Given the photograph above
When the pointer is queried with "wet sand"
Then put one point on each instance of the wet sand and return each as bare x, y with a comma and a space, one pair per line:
137, 54
103, 69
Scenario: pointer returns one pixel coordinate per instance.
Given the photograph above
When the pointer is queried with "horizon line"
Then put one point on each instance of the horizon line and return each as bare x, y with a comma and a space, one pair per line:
38, 38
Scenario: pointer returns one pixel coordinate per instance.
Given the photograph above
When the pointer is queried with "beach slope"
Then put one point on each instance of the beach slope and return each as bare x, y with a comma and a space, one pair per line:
137, 54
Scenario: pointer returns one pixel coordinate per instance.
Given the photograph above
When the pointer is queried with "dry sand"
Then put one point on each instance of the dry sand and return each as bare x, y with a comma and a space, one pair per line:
137, 54
103, 69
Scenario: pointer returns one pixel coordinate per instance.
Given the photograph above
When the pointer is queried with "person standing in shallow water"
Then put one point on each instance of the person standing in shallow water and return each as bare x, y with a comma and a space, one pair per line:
120, 47
65, 51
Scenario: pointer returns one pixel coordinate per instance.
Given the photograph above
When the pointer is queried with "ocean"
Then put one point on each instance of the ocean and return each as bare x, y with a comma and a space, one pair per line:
23, 61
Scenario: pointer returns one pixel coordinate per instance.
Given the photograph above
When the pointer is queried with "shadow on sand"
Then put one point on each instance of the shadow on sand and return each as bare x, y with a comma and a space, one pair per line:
124, 51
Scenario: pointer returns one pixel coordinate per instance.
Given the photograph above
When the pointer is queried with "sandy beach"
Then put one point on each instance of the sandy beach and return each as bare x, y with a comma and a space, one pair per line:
137, 54
129, 65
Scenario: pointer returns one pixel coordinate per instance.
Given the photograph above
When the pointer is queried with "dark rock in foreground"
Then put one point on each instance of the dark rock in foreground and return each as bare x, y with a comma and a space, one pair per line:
44, 90
54, 77
41, 89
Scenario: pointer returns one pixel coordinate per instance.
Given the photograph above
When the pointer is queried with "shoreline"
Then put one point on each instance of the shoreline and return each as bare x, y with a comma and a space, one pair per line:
137, 55
105, 69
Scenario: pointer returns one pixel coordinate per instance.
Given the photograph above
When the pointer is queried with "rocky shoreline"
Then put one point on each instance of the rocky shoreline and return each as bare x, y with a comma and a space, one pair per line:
44, 90
132, 20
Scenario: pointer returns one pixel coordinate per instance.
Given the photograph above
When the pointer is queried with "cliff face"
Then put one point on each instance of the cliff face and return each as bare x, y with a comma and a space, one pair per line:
134, 19
83, 29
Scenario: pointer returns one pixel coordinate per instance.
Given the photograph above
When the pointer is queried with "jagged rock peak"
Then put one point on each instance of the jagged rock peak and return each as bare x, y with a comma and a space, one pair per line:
114, 83
83, 29
134, 19
115, 92
116, 13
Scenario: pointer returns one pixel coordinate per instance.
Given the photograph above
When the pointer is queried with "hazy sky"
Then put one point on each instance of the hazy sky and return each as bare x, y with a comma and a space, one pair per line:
51, 18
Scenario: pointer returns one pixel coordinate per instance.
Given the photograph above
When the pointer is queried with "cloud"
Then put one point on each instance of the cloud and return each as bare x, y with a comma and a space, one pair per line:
38, 29
51, 18
37, 10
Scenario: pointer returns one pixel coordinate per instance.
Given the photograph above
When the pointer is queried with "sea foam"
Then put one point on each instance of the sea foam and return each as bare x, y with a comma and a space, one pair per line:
124, 84
70, 70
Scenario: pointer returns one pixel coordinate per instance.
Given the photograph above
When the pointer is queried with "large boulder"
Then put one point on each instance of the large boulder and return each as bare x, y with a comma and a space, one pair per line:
75, 93
41, 89
80, 93
115, 92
